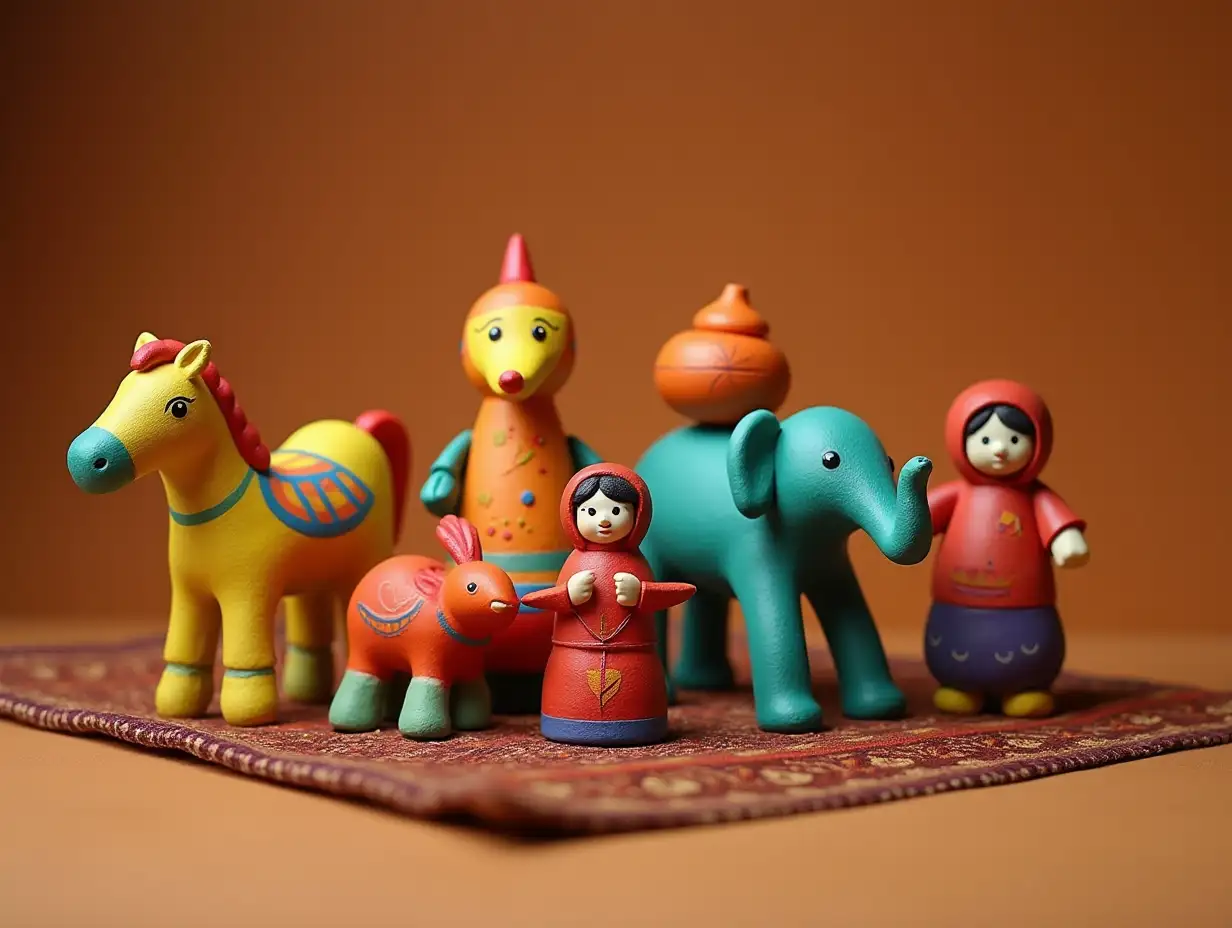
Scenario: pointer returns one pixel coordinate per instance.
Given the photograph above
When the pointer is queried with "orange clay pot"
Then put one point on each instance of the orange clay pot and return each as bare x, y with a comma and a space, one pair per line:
723, 368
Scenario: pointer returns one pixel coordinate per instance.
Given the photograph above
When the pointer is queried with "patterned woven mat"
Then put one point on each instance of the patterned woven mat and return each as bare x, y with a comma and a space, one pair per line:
717, 768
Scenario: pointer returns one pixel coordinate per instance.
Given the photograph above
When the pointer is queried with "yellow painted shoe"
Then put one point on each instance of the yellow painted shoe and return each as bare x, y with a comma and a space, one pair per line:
1028, 705
957, 702
249, 697
184, 691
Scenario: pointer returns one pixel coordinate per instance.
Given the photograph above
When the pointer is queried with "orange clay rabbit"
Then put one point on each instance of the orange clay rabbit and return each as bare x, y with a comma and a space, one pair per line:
410, 615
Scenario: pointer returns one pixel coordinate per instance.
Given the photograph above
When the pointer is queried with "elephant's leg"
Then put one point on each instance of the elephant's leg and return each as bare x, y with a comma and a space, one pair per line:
660, 572
703, 663
865, 685
308, 672
249, 690
187, 683
778, 654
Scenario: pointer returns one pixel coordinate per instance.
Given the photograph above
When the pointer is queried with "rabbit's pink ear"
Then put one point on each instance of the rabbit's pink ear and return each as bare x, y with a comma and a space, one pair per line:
460, 538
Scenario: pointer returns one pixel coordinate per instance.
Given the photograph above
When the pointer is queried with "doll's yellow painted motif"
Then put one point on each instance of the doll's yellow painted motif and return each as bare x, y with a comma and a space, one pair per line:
247, 526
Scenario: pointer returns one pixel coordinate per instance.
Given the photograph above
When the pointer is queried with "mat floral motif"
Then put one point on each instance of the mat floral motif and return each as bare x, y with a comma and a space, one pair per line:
718, 767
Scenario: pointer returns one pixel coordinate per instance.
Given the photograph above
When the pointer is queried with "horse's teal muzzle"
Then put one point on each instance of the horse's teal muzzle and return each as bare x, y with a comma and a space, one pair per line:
99, 462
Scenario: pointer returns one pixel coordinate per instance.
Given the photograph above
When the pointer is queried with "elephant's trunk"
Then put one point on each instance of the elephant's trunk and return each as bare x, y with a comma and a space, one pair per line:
903, 529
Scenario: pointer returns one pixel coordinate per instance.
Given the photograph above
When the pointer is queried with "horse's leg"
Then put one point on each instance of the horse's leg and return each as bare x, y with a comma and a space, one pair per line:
308, 672
249, 691
187, 684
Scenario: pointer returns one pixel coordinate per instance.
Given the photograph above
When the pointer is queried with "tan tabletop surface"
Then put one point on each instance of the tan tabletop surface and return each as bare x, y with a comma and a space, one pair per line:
94, 833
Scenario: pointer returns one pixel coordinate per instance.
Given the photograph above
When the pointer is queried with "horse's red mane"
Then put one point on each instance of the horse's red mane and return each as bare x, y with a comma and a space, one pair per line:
244, 433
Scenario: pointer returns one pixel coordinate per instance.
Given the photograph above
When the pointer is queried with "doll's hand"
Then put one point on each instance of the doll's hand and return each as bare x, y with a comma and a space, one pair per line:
438, 492
580, 587
1069, 549
628, 589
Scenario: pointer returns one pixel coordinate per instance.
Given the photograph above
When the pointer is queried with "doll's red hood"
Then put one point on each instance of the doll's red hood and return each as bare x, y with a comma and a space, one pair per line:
998, 392
641, 522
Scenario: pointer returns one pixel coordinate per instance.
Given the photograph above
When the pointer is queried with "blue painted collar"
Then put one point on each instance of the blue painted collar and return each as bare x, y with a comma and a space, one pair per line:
217, 510
457, 635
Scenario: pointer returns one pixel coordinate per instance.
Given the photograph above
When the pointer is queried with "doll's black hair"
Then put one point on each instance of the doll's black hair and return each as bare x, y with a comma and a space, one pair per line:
617, 489
1012, 416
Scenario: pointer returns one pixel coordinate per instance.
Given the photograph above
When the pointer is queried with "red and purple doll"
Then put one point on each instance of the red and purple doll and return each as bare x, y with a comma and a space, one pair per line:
604, 684
993, 631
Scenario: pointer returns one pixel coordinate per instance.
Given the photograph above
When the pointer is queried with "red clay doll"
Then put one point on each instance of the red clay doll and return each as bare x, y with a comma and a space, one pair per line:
410, 615
993, 631
604, 684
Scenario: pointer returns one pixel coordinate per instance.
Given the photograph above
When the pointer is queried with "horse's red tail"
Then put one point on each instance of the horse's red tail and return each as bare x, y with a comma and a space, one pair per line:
391, 435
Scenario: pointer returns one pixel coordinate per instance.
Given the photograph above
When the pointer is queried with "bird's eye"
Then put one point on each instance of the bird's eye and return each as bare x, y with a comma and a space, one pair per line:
615, 510
472, 587
984, 440
890, 461
590, 511
494, 333
830, 460
1013, 439
540, 333
178, 406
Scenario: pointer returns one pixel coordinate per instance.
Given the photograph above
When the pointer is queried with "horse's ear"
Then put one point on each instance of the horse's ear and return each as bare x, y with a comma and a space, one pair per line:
460, 538
193, 358
144, 339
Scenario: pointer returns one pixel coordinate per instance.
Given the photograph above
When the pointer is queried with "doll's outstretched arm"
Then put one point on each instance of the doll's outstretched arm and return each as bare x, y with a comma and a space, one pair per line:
440, 491
553, 599
1060, 529
659, 596
941, 503
582, 454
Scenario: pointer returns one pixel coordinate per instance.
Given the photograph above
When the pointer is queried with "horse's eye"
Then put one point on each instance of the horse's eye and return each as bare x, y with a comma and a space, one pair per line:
177, 406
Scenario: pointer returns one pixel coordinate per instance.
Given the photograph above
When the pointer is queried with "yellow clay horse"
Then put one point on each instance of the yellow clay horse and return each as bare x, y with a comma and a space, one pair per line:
247, 527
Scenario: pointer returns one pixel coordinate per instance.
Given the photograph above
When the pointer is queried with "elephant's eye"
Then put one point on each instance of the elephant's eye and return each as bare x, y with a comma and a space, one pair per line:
890, 461
472, 587
830, 460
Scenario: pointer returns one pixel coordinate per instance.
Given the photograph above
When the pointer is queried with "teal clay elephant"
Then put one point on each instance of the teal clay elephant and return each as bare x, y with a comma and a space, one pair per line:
762, 513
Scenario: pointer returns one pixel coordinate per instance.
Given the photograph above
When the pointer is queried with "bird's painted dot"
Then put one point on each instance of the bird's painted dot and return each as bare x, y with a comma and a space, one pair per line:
491, 530
499, 439
508, 536
485, 499
506, 522
539, 440
528, 498
543, 470
521, 523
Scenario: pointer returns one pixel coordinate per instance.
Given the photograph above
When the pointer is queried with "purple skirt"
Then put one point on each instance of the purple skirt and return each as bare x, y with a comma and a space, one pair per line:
994, 651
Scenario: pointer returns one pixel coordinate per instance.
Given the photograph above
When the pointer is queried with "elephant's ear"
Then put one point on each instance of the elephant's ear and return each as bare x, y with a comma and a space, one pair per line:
750, 462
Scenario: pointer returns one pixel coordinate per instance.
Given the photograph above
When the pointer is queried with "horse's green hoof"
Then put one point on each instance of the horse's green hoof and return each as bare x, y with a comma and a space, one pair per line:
471, 705
308, 674
357, 704
425, 713
184, 692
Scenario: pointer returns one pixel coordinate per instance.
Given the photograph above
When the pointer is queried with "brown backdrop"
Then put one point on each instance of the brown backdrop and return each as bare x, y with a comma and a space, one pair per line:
918, 196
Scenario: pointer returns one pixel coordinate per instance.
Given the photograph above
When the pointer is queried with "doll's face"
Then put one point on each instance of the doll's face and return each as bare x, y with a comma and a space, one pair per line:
604, 521
997, 450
